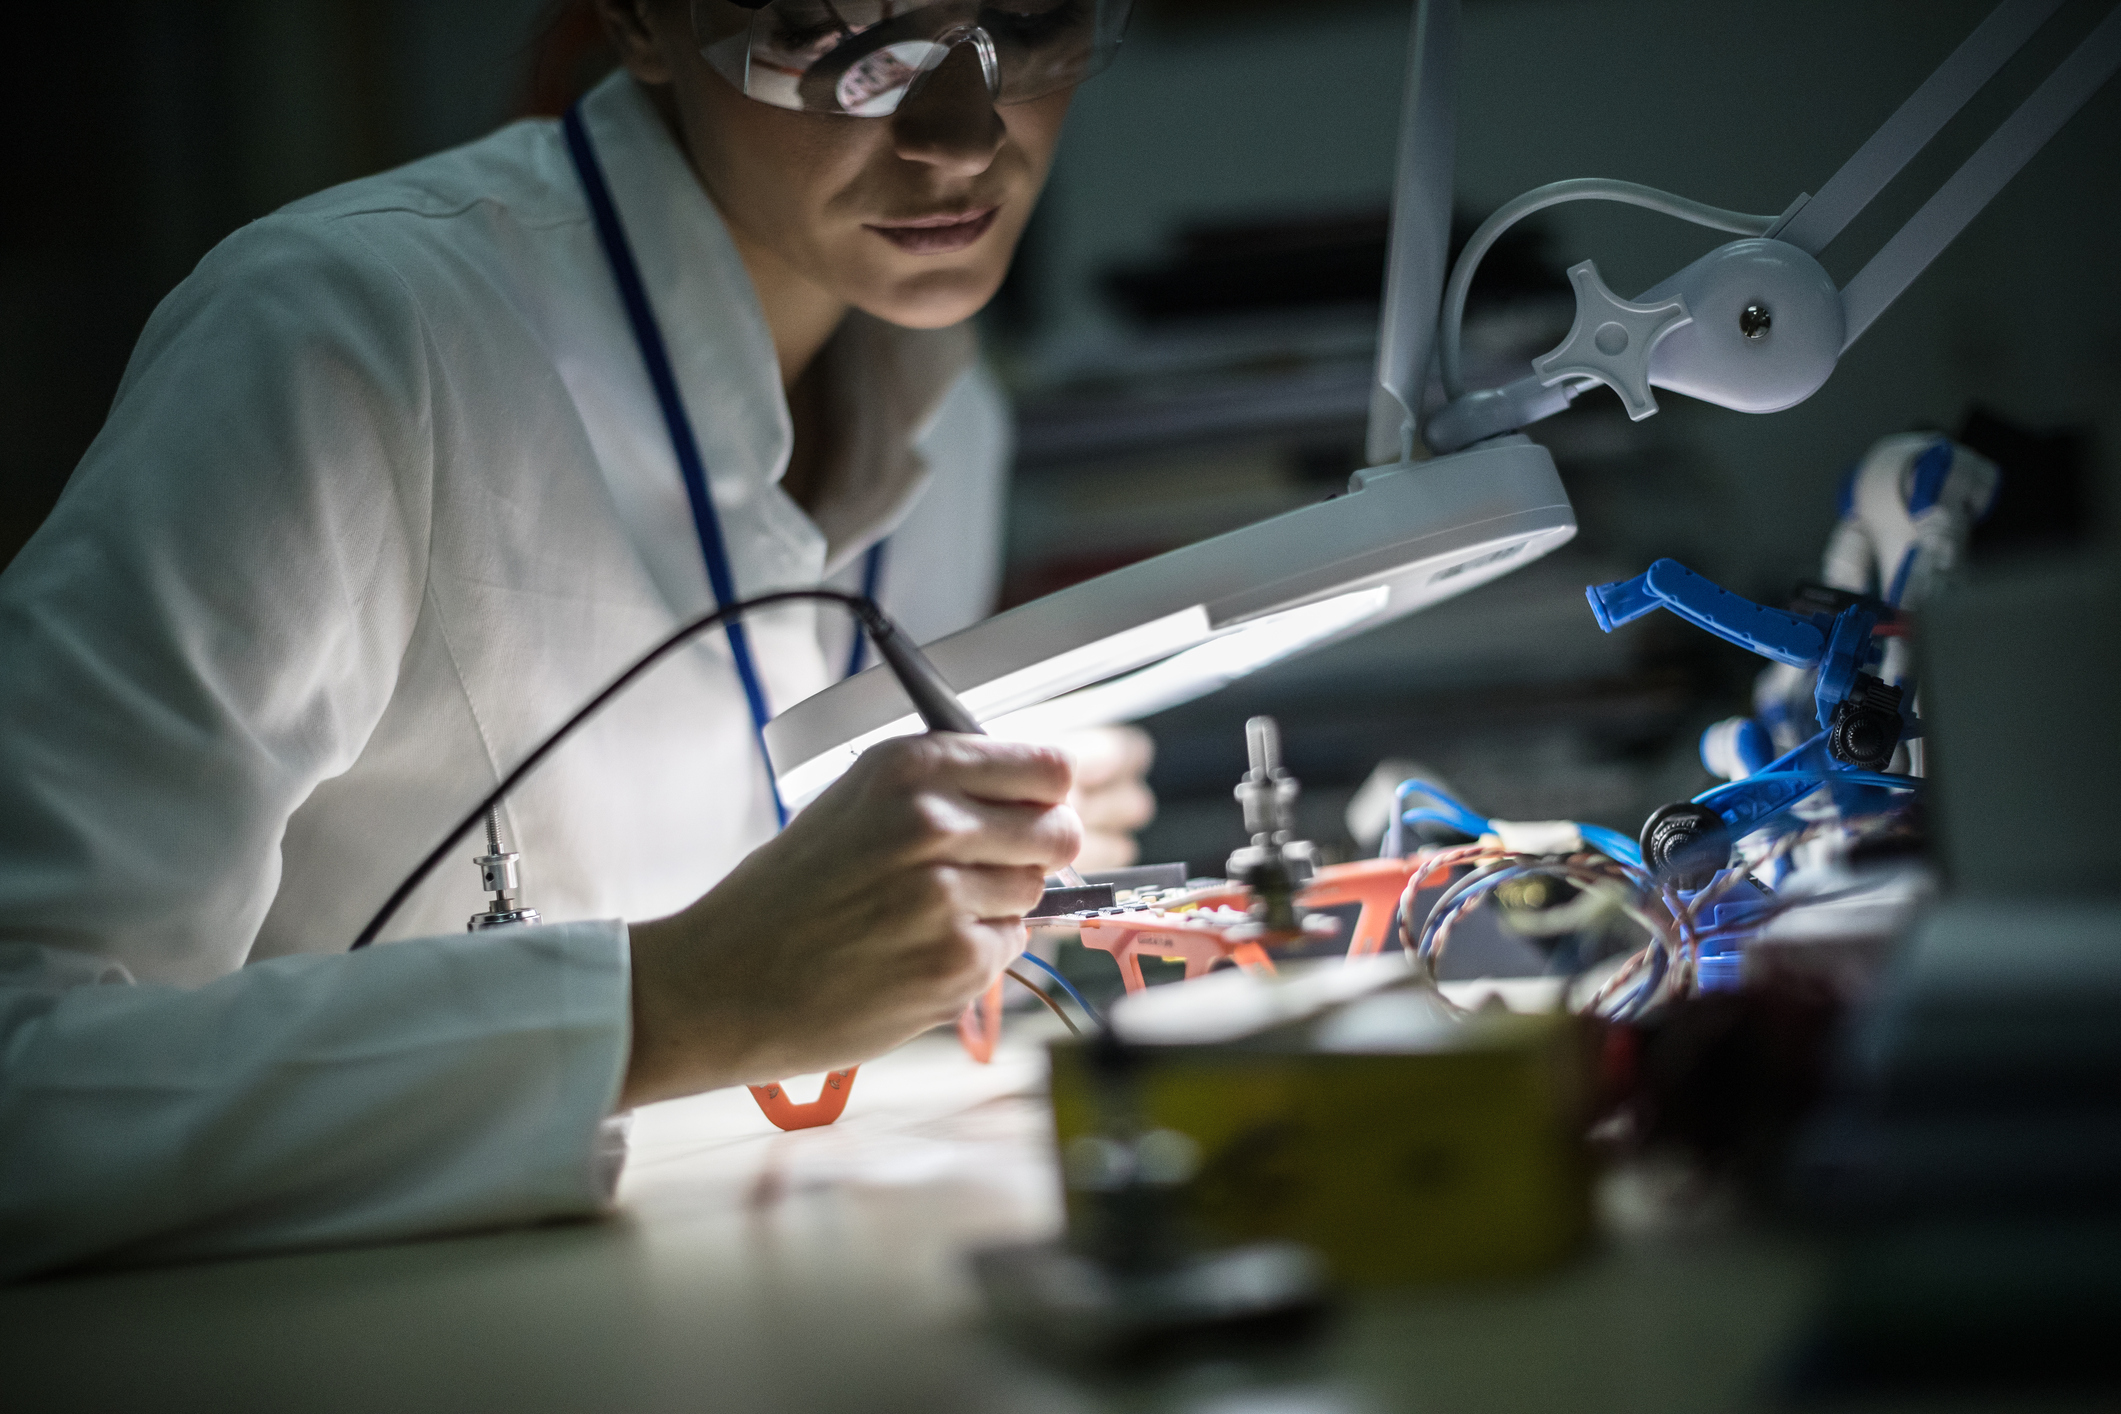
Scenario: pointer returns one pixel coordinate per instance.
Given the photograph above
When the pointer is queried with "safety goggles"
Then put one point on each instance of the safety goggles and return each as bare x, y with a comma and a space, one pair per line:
865, 57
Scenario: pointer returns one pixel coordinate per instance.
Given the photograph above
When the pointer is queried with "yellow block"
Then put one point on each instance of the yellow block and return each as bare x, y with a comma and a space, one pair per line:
1460, 1159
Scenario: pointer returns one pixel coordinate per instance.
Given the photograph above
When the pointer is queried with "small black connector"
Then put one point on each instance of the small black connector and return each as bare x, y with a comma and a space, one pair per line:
1686, 843
1865, 729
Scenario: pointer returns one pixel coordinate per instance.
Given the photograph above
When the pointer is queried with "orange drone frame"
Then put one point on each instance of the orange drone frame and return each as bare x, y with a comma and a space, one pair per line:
1210, 926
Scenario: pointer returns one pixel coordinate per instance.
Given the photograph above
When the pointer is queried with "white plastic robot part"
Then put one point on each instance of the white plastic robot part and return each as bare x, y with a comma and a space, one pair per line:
1883, 547
1538, 836
1879, 534
1719, 749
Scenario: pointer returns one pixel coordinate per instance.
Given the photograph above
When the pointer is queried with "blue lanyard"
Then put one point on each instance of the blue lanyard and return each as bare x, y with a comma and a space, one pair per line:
872, 580
611, 235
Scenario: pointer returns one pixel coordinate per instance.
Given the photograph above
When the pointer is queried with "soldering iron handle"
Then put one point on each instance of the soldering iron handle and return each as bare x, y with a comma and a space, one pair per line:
932, 697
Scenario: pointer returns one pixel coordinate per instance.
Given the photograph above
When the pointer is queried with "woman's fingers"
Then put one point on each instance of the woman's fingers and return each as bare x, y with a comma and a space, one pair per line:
1105, 755
891, 901
1120, 807
957, 830
979, 766
1102, 850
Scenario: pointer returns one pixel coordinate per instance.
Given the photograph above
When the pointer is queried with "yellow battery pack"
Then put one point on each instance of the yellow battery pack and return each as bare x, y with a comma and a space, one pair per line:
1447, 1151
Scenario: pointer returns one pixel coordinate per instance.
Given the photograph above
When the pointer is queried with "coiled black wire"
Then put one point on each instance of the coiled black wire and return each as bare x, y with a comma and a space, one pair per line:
864, 609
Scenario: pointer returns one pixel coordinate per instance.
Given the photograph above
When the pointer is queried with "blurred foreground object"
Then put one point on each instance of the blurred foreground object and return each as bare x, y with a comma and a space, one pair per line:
1971, 1160
1137, 1279
1351, 1108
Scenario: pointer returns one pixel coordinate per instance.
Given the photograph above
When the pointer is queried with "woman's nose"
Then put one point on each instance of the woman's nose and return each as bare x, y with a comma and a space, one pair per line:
949, 122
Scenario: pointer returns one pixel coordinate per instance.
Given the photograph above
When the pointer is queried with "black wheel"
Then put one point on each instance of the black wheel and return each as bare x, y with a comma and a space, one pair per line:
1686, 843
1863, 738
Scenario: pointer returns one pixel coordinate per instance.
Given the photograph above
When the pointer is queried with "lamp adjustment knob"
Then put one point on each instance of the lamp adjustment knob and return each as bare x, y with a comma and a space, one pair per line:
1611, 340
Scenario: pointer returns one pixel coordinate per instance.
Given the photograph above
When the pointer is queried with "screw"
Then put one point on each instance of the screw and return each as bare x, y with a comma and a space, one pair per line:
1754, 321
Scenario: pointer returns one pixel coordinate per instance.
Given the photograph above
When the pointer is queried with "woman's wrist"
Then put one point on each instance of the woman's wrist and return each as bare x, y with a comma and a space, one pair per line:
682, 1043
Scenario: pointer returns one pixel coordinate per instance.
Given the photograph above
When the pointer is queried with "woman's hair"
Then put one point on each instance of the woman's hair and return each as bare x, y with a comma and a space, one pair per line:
567, 54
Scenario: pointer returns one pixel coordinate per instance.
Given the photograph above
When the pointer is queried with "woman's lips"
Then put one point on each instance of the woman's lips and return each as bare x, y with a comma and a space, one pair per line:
936, 235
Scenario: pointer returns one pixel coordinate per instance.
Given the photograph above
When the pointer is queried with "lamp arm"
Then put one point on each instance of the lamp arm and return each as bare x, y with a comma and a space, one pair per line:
1984, 174
1420, 233
1757, 325
1921, 117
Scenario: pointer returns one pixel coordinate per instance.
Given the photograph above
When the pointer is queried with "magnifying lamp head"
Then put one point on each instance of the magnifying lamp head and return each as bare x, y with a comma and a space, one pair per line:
1169, 629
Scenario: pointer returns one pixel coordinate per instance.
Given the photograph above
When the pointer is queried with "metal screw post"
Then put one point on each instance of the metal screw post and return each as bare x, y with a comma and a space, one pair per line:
498, 876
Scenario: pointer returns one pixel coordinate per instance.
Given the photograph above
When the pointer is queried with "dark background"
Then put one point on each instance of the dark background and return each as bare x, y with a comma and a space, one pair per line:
1190, 330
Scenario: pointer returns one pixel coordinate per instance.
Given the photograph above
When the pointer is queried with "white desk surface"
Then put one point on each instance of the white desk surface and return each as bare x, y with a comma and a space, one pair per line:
822, 1270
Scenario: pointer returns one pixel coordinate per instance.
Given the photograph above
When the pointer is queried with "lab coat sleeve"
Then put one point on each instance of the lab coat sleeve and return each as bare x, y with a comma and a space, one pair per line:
434, 1085
213, 617
211, 623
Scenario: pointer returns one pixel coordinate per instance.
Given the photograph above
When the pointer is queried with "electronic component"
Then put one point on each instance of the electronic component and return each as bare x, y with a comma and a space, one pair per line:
1686, 843
1354, 1110
1275, 864
1861, 718
499, 876
1082, 898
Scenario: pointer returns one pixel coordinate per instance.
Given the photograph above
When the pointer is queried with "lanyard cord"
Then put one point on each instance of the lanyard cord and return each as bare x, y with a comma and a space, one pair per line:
872, 580
611, 235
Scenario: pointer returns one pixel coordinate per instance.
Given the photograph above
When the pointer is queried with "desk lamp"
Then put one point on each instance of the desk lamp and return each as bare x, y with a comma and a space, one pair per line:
1755, 325
1406, 534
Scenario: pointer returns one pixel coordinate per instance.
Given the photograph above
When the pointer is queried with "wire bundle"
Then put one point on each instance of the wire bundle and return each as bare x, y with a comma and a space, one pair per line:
1043, 995
1678, 924
1626, 886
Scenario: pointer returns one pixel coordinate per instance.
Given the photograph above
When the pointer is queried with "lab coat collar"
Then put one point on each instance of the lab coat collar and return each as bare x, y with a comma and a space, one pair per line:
886, 381
886, 385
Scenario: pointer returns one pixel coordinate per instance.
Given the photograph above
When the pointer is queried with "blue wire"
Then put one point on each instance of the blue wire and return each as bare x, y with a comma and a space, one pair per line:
1453, 812
1817, 778
1611, 843
1459, 817
1069, 987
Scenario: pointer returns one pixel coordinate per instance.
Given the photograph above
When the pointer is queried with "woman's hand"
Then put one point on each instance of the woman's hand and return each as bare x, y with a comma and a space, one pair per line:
1111, 792
882, 910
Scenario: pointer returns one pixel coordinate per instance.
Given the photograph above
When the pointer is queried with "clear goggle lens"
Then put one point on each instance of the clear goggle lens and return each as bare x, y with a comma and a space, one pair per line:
865, 57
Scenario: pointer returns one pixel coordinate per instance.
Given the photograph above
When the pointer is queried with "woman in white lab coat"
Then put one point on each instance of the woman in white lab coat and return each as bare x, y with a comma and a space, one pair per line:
386, 492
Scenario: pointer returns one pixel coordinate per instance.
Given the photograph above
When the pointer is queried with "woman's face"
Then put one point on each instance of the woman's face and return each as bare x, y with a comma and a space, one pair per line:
912, 218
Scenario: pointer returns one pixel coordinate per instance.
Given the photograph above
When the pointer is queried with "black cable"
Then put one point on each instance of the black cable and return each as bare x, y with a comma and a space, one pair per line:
931, 696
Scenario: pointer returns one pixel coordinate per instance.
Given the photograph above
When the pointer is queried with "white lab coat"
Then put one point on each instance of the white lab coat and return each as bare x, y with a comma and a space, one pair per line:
384, 495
